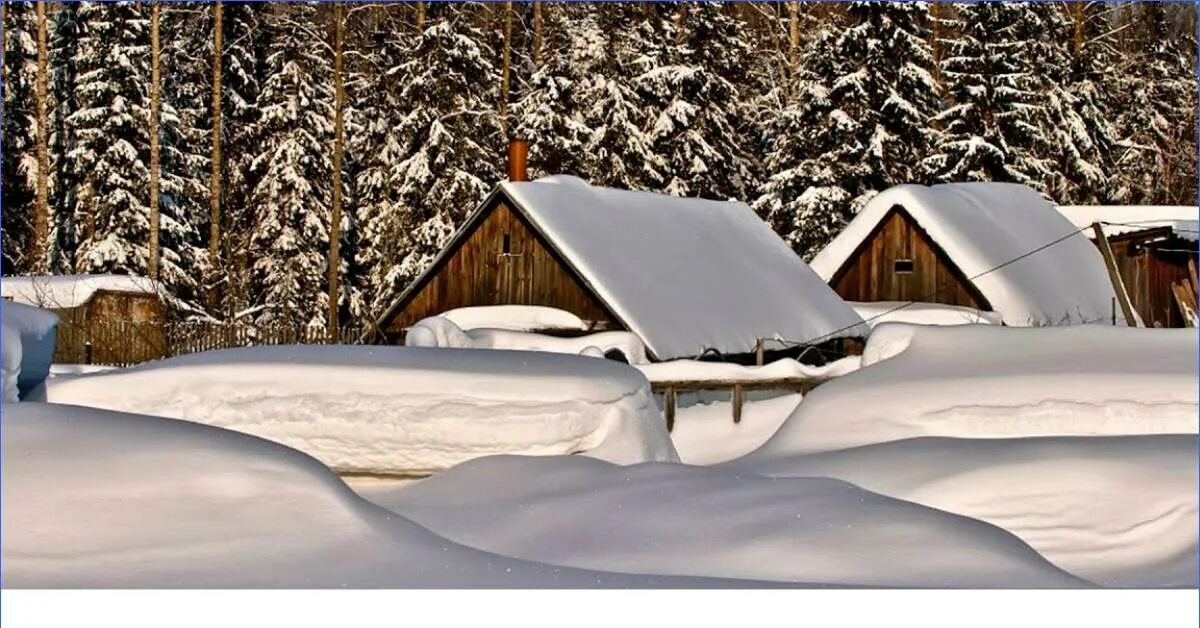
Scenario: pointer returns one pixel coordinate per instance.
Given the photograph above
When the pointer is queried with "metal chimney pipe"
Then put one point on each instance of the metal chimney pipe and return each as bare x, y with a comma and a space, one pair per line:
518, 160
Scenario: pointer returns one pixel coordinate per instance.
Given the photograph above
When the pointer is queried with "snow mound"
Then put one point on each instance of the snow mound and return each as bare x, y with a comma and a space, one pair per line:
437, 331
28, 347
988, 231
980, 381
877, 312
514, 318
1117, 511
1181, 219
96, 499
67, 291
786, 368
395, 410
656, 518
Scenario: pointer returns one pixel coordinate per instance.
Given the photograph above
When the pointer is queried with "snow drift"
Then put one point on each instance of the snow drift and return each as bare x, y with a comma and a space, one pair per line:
979, 381
514, 318
28, 347
395, 410
655, 518
1117, 511
438, 331
878, 312
97, 499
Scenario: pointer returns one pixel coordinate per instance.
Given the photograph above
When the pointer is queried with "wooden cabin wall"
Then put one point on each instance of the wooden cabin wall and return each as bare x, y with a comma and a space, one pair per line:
479, 273
870, 274
121, 328
1148, 273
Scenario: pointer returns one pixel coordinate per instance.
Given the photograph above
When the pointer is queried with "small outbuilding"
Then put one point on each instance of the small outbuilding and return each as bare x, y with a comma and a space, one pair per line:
986, 246
1155, 250
689, 276
103, 319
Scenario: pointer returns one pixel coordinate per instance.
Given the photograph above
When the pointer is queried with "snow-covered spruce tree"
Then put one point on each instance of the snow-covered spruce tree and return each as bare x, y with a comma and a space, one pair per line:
699, 124
1079, 134
450, 139
552, 104
108, 161
994, 123
1155, 97
856, 124
19, 158
620, 151
292, 170
66, 29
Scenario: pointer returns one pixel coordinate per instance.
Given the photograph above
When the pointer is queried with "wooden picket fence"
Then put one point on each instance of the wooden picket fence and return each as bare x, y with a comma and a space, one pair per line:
121, 343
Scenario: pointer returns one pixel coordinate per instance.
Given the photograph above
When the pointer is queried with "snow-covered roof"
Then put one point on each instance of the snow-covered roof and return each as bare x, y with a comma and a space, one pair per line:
1183, 220
685, 274
67, 291
1031, 264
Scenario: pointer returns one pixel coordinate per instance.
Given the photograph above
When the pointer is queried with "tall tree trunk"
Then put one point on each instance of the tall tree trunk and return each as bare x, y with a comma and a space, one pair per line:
214, 181
794, 37
41, 214
505, 66
335, 220
155, 59
420, 17
537, 34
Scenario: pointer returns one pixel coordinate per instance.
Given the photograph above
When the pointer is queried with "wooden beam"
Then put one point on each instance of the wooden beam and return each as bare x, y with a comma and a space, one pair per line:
737, 403
669, 401
1114, 275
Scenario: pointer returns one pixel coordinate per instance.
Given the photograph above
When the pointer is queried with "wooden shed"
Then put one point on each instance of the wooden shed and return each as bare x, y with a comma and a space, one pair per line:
988, 246
103, 319
689, 276
1152, 247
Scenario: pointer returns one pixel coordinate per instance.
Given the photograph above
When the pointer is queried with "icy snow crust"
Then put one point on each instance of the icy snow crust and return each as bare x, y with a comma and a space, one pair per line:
395, 410
67, 291
980, 381
96, 499
685, 274
1117, 511
28, 347
655, 518
982, 226
514, 318
1184, 220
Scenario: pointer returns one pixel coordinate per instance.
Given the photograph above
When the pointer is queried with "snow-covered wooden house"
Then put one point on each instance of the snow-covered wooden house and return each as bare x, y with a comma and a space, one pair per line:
989, 246
1151, 247
689, 276
106, 319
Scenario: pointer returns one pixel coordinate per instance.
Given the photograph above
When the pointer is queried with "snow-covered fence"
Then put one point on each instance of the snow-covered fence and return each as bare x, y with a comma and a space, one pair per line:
122, 343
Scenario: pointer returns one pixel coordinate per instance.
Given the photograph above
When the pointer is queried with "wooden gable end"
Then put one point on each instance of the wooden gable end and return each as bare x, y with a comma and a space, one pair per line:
900, 262
502, 261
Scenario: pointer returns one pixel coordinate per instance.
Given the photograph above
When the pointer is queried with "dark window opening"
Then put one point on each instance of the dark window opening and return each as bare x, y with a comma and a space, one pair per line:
506, 245
903, 266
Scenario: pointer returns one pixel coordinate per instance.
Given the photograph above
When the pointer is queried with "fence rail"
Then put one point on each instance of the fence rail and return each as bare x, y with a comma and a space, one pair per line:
122, 343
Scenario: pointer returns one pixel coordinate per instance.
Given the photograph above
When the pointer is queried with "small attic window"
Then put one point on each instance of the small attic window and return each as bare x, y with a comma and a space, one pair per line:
902, 267
506, 245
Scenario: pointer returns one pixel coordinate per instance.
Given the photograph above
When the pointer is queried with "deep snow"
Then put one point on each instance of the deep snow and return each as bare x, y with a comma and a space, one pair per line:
981, 381
28, 347
655, 518
67, 291
395, 410
97, 499
442, 332
1117, 511
514, 318
876, 313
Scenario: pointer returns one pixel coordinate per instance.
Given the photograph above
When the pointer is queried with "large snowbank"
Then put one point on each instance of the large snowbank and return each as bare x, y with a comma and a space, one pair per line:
28, 347
97, 499
990, 231
438, 331
879, 312
656, 518
785, 368
67, 291
705, 433
1118, 511
980, 381
684, 274
395, 410
1181, 219
514, 318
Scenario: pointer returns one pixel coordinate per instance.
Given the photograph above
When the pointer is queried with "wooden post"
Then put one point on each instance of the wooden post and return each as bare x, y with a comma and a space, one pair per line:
737, 403
155, 82
1114, 275
669, 401
758, 352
